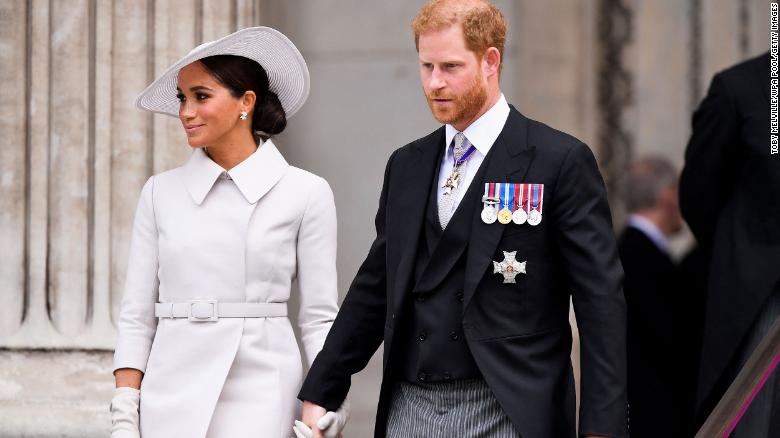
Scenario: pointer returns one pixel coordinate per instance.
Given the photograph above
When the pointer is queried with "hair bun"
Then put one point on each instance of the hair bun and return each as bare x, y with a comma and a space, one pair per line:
269, 117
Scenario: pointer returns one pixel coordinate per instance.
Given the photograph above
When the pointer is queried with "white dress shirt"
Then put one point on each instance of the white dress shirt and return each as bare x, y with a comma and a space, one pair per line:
650, 230
482, 134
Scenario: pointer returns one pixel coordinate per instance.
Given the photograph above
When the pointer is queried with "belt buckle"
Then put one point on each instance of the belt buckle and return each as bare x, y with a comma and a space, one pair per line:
200, 313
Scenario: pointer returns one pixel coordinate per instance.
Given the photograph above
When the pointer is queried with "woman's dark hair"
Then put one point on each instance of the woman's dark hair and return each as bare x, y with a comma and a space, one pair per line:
239, 75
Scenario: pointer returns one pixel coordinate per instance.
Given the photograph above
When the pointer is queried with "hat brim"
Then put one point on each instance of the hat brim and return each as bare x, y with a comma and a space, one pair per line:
288, 75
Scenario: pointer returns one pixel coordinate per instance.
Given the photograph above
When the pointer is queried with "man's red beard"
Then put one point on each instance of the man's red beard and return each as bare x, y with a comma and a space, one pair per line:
463, 107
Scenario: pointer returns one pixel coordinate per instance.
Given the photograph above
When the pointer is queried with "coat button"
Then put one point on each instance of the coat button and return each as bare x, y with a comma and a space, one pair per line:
454, 336
420, 297
421, 377
447, 376
423, 335
459, 296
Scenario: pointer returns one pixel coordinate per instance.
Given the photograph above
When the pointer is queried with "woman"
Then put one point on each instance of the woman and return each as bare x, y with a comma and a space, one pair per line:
203, 328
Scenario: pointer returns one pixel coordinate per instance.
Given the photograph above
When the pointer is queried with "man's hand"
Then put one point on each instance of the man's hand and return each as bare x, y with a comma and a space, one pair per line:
312, 413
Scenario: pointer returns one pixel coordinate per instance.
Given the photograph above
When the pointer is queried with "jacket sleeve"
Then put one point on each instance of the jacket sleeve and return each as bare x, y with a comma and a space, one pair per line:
705, 181
137, 324
316, 271
594, 274
359, 327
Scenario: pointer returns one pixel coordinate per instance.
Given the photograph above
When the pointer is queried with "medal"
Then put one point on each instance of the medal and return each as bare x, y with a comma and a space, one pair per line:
453, 181
535, 215
489, 215
505, 215
489, 211
520, 216
509, 267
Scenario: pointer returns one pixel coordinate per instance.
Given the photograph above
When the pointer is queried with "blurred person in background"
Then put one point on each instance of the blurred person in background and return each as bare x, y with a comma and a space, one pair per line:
730, 198
660, 337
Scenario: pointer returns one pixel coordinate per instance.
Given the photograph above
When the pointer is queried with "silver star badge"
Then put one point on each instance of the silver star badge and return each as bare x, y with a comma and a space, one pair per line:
509, 267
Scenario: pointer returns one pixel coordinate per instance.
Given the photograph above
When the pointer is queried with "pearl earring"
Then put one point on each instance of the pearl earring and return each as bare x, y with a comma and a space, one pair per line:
243, 115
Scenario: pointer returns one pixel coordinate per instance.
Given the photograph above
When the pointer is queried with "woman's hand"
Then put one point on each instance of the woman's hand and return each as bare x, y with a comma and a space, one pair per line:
124, 413
319, 423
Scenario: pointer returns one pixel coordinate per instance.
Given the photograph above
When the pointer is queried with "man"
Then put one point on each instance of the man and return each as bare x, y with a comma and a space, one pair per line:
660, 363
730, 197
474, 310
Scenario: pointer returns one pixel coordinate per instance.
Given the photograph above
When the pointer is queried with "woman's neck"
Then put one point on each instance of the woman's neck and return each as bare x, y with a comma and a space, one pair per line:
229, 153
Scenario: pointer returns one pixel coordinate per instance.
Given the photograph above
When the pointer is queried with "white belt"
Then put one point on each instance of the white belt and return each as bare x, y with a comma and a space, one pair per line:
212, 310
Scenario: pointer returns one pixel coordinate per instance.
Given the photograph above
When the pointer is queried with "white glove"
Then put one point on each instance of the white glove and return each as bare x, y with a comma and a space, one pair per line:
331, 424
124, 413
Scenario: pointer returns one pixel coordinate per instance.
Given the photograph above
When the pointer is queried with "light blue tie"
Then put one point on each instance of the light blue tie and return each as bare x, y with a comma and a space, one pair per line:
459, 147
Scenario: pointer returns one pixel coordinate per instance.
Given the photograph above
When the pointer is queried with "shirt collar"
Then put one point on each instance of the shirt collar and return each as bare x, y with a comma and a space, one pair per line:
650, 230
254, 176
485, 130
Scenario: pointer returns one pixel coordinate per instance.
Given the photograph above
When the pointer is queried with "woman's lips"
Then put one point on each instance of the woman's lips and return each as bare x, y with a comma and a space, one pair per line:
191, 129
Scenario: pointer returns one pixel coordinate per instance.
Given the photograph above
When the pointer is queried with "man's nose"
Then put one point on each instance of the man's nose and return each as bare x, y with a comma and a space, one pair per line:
436, 82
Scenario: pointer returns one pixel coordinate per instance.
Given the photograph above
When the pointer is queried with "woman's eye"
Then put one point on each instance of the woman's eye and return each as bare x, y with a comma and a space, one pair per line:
180, 97
201, 96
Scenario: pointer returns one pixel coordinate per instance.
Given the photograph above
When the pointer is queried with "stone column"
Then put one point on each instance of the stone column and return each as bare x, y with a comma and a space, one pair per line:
75, 155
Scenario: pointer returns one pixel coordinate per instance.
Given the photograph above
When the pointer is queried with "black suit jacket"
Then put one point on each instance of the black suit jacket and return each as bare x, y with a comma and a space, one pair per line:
519, 334
659, 365
730, 197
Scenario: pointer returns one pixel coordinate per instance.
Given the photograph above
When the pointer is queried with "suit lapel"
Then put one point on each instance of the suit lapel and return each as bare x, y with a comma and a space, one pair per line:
507, 161
413, 195
454, 238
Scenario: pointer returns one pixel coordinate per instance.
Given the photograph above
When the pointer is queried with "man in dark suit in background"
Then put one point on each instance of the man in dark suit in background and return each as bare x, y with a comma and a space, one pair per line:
660, 363
730, 197
485, 229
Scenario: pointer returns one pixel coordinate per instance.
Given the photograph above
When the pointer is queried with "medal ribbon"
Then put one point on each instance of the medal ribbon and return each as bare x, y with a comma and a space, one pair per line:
536, 197
466, 155
527, 198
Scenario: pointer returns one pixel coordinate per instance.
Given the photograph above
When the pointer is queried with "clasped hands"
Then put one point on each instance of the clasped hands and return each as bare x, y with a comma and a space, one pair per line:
320, 423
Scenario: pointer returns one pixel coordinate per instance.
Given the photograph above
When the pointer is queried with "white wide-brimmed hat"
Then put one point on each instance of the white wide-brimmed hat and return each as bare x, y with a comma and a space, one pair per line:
288, 75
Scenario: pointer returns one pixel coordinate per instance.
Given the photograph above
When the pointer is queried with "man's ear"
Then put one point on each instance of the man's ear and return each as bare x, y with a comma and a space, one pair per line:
491, 62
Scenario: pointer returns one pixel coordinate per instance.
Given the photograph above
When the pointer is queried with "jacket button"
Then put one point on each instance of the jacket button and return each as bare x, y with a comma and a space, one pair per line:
423, 335
420, 297
459, 296
421, 377
447, 376
454, 336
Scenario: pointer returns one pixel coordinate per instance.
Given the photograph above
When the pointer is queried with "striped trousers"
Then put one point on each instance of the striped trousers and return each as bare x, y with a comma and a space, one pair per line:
462, 408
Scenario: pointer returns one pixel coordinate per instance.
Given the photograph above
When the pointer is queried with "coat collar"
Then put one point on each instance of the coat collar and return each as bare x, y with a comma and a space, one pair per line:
254, 176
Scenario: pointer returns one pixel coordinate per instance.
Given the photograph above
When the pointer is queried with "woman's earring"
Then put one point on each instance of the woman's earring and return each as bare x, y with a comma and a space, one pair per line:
243, 115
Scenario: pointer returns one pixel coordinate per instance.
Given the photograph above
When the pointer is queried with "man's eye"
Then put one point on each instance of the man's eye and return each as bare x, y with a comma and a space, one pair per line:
427, 66
450, 66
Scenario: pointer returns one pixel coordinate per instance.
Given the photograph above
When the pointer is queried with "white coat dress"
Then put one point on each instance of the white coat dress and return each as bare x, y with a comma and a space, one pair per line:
201, 233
